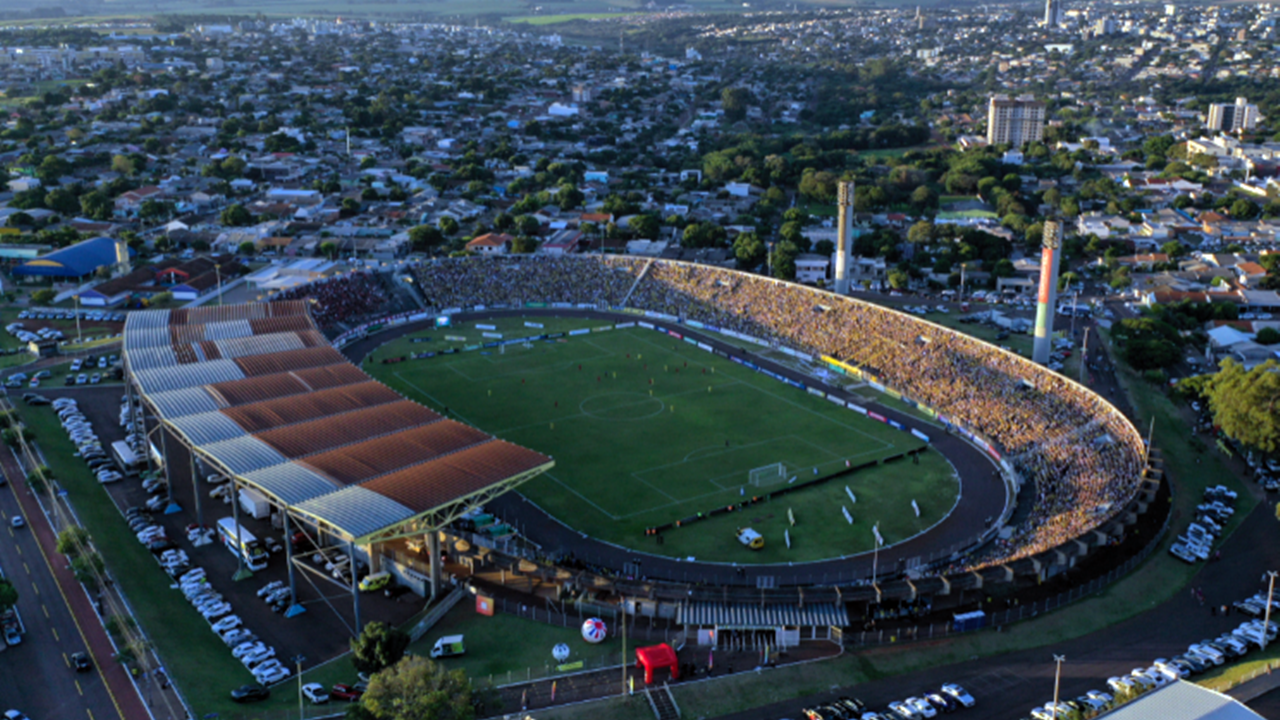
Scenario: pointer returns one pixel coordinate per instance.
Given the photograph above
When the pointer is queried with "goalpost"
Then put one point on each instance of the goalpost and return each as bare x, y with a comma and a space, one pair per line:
774, 474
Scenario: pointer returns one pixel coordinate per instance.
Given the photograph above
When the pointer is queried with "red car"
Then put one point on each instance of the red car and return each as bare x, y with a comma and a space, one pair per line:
342, 691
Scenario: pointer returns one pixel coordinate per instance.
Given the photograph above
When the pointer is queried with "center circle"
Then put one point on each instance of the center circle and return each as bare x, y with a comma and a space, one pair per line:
622, 406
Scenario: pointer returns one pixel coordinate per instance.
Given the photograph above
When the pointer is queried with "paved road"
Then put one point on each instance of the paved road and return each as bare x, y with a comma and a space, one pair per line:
983, 492
37, 675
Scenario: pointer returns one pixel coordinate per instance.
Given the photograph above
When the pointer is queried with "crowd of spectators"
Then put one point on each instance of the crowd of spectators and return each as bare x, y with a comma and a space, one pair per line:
1084, 459
343, 299
528, 279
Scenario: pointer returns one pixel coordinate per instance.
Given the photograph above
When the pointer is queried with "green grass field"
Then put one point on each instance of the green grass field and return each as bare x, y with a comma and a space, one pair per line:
493, 659
647, 430
556, 19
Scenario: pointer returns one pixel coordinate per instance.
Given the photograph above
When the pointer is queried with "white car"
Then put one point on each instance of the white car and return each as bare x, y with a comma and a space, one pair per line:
273, 676
216, 610
1099, 696
248, 648
959, 694
227, 623
1181, 552
904, 711
922, 706
266, 667
316, 693
1120, 685
260, 655
193, 575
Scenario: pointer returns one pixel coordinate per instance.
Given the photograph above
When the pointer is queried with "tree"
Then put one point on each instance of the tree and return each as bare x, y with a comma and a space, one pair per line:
1003, 268
1150, 353
734, 102
921, 232
71, 540
1268, 336
1244, 209
8, 594
645, 226
154, 209
748, 250
923, 198
523, 244
20, 219
122, 164
448, 225
425, 237
43, 296
418, 689
379, 646
824, 248
1174, 249
784, 260
247, 248
62, 201
87, 568
51, 169
1246, 403
898, 279
96, 205
235, 216
328, 249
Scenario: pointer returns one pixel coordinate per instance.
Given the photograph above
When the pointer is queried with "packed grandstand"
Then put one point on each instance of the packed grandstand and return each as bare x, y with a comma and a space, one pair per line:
1084, 459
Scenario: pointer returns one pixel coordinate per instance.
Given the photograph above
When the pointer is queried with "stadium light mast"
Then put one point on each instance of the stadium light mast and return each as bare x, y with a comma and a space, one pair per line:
1057, 676
1266, 618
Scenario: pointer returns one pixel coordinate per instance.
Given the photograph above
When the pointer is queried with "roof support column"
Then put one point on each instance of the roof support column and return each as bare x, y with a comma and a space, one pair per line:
355, 588
241, 572
195, 487
170, 506
294, 607
433, 547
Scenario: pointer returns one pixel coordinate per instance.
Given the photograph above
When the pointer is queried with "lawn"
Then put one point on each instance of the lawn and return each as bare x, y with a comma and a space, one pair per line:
647, 430
555, 19
505, 648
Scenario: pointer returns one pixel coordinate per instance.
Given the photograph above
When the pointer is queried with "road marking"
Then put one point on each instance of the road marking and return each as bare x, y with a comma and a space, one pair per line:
78, 688
27, 567
18, 548
90, 713
46, 610
65, 660
55, 634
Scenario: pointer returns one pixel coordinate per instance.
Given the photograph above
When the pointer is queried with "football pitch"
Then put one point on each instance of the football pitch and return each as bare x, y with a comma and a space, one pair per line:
646, 430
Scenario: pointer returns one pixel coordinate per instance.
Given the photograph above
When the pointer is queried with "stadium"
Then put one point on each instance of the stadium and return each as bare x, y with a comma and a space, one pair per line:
645, 412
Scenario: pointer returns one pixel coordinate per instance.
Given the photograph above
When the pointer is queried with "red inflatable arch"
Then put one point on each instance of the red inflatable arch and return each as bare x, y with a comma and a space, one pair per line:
657, 656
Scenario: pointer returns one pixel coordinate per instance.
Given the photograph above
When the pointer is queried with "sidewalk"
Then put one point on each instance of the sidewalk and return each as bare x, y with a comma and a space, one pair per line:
1257, 687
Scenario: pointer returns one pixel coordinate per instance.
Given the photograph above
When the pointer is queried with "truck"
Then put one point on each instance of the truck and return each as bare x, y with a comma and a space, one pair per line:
124, 456
254, 503
375, 581
750, 538
448, 646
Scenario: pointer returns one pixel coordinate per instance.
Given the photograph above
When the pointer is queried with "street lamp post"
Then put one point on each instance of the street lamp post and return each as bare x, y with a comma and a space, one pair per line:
1057, 676
79, 340
1266, 617
297, 659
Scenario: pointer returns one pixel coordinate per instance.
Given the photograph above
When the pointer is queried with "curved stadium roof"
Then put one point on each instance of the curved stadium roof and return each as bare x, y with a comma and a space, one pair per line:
257, 390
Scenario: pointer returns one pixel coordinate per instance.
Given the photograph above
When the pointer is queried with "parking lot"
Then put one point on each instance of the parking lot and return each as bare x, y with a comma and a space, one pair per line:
318, 634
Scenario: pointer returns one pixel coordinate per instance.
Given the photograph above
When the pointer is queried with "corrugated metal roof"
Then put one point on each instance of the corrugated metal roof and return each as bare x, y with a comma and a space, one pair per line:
1181, 700
265, 368
291, 483
260, 345
185, 376
227, 330
209, 427
754, 615
146, 337
180, 403
357, 510
142, 319
151, 357
244, 454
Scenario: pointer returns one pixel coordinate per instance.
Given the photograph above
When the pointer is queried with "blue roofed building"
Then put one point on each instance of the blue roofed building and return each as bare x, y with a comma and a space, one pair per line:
76, 261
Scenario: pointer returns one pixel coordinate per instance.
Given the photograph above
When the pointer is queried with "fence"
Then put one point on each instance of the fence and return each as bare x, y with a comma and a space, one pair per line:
934, 631
1231, 683
437, 612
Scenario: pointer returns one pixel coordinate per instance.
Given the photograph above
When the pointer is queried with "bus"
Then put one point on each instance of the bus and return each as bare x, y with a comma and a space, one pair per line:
242, 543
124, 456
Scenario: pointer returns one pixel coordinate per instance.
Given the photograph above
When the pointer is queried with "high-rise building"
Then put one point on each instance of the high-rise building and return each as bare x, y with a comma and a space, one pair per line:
1052, 13
1014, 121
1231, 117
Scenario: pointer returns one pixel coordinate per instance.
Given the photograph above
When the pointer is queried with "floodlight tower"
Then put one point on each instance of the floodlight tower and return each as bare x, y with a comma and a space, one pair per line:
844, 238
1049, 257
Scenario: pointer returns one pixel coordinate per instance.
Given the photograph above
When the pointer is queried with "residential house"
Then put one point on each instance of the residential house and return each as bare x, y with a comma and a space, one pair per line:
491, 244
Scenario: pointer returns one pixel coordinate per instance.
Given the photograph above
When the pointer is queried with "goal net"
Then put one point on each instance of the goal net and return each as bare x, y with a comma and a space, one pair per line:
774, 474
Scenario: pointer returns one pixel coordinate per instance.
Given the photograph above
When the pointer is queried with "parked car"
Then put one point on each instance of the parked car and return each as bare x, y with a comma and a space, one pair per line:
250, 693
959, 693
342, 691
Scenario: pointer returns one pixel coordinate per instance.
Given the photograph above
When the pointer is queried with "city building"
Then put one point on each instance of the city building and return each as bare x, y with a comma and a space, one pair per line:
1014, 121
1052, 13
1230, 117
